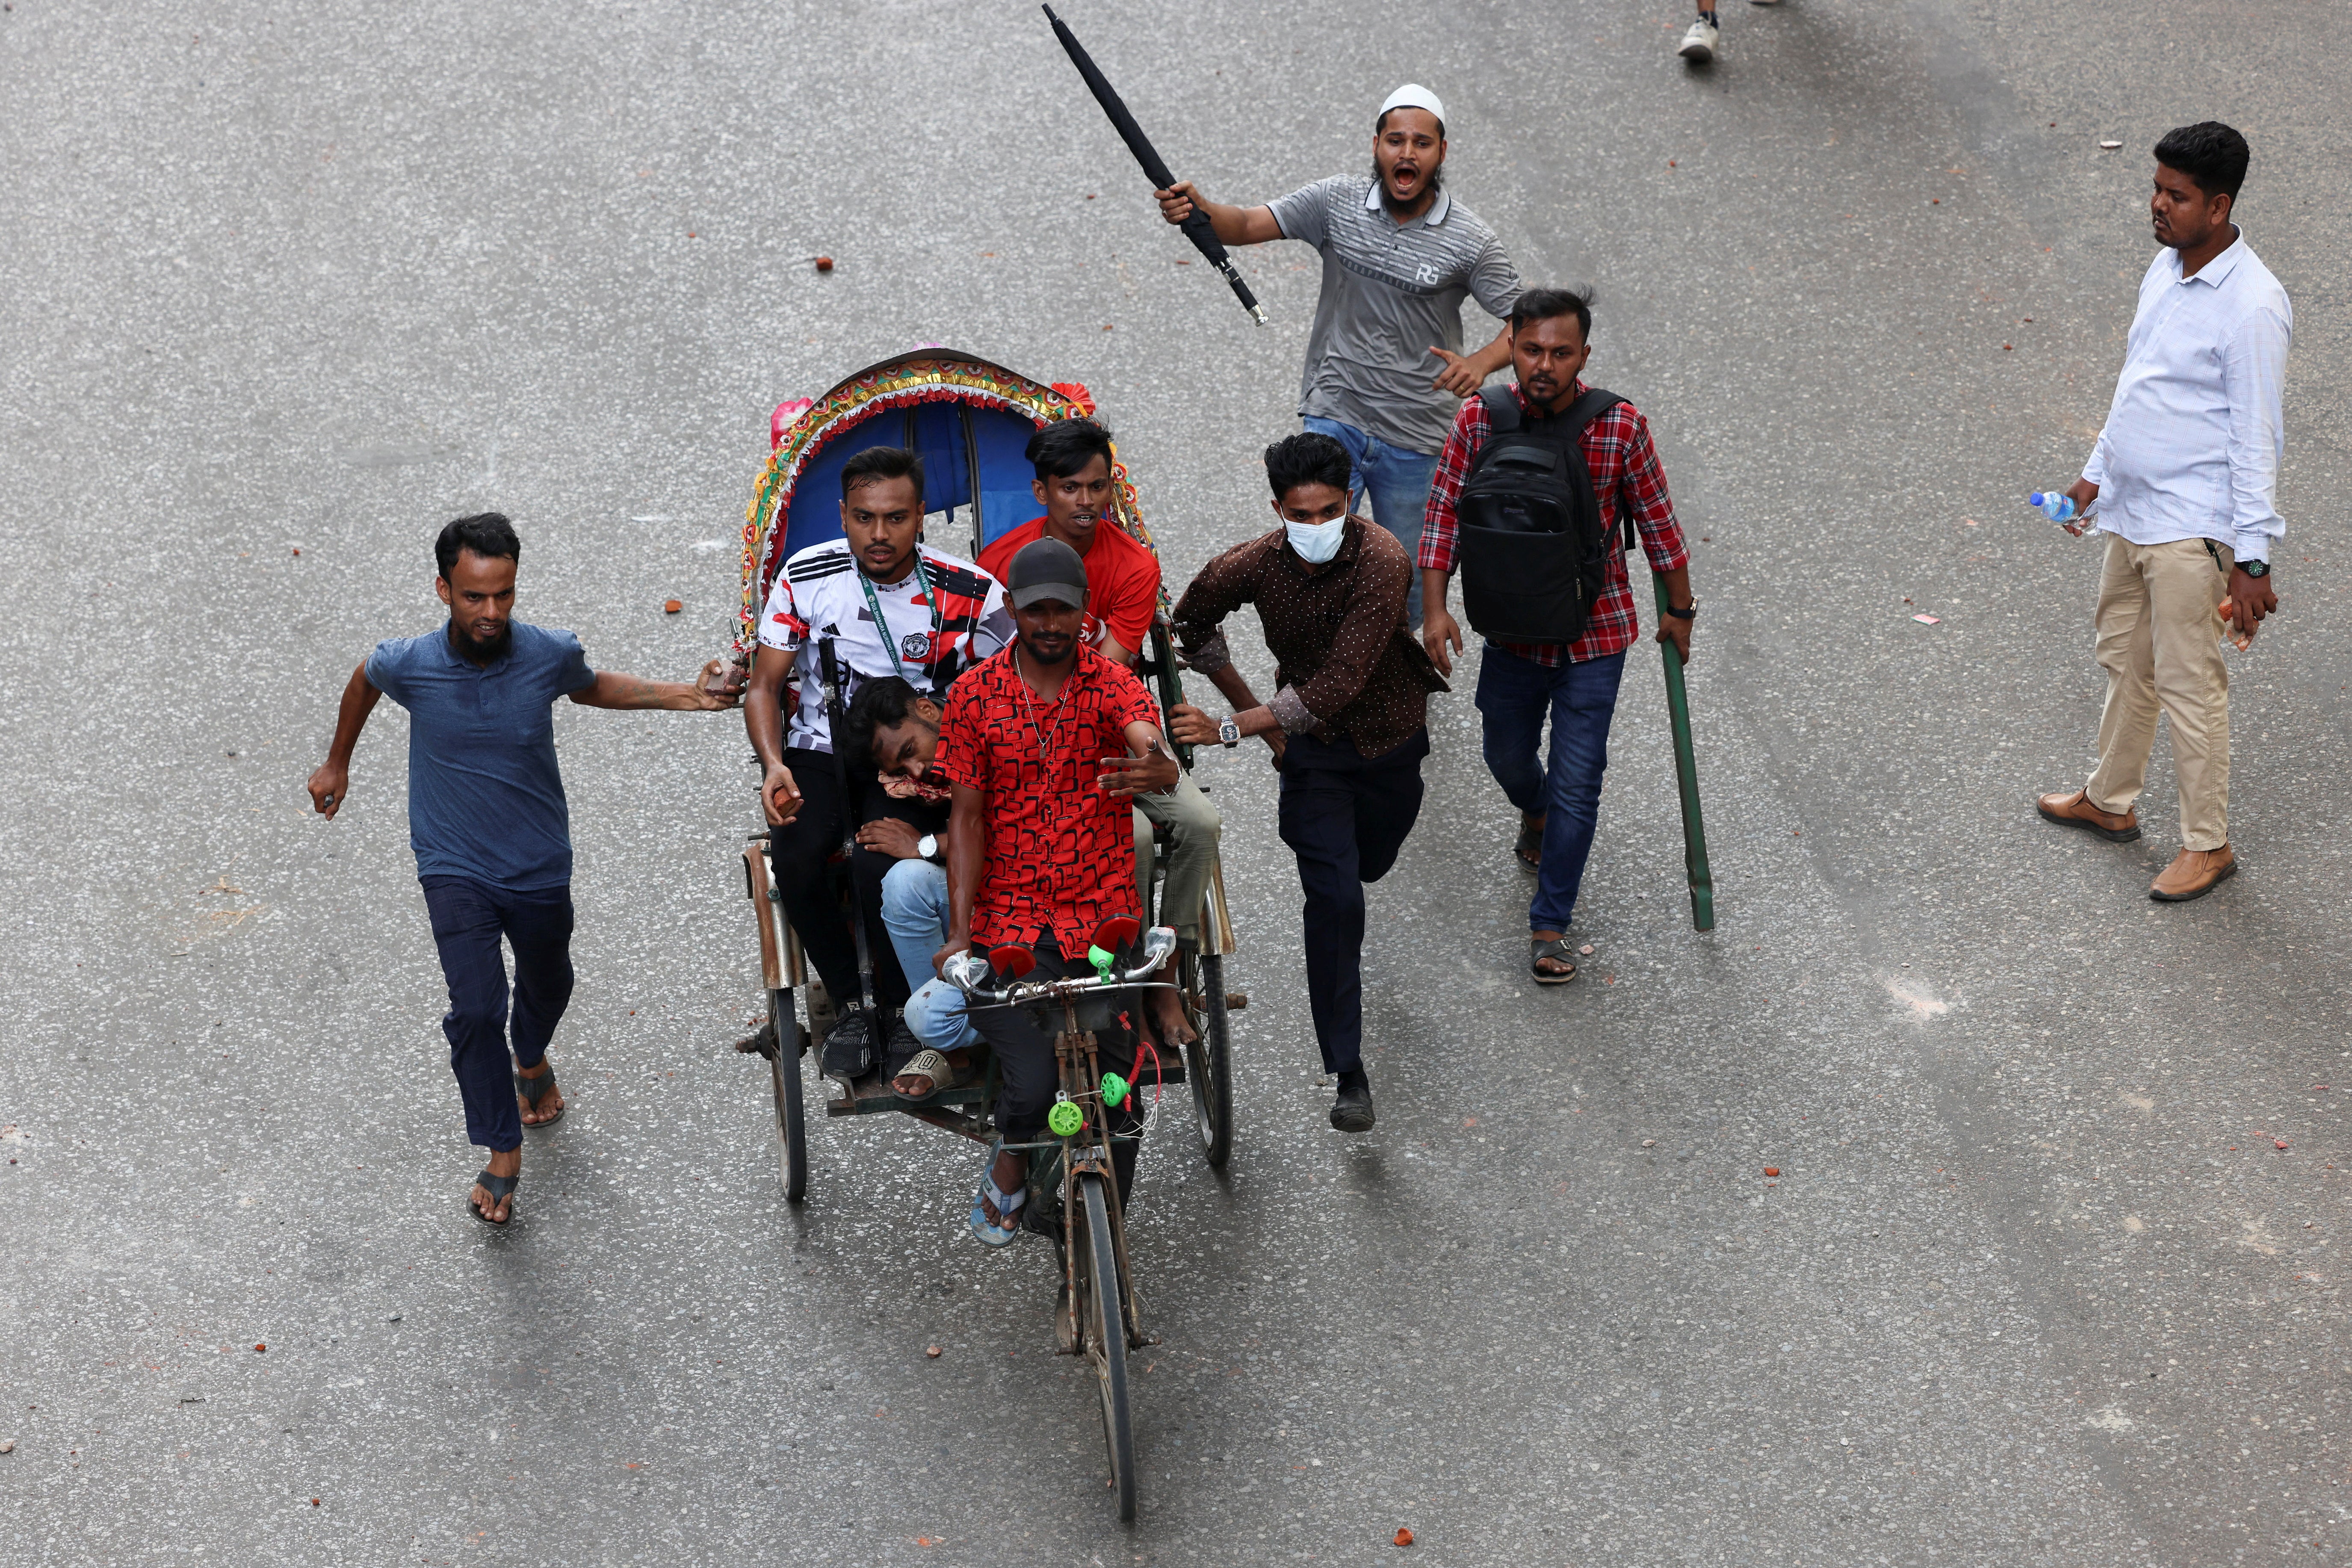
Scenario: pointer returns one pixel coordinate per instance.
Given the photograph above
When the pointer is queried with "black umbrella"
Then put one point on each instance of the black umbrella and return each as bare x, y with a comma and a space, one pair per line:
1196, 228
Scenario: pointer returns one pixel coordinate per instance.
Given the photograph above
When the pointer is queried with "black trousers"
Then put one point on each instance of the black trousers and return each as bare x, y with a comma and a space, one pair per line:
797, 853
1028, 1076
1345, 816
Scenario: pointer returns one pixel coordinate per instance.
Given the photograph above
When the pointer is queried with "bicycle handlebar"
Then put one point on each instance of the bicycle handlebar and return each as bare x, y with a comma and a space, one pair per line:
967, 970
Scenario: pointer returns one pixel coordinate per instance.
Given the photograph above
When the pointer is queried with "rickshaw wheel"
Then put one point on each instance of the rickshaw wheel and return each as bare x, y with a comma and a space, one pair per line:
1208, 1060
1103, 1334
784, 1068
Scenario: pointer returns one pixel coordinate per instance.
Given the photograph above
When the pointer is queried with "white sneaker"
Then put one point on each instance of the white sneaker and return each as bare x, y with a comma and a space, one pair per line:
1703, 43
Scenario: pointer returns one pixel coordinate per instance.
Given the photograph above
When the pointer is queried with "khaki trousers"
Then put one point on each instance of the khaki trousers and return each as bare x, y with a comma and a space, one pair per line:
1192, 854
2159, 643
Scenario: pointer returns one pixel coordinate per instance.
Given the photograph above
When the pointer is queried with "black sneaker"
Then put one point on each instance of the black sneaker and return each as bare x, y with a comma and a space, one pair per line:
1352, 1112
899, 1049
849, 1048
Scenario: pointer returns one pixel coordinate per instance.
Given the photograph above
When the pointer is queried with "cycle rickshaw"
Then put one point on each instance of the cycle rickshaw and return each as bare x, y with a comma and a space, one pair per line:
970, 421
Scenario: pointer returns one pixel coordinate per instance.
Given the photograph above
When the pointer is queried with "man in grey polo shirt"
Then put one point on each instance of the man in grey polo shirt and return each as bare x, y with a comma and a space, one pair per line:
1385, 370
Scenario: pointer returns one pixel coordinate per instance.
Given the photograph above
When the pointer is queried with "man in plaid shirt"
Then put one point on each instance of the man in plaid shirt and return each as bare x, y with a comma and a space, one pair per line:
1558, 804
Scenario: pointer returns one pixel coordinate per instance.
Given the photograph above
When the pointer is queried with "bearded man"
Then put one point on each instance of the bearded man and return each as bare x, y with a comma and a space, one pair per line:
1385, 371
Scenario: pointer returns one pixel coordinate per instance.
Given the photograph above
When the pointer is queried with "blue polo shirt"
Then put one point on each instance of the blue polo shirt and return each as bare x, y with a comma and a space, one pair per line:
485, 800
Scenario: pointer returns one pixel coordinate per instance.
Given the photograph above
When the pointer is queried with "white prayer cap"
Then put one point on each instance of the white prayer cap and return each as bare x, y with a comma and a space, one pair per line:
1413, 95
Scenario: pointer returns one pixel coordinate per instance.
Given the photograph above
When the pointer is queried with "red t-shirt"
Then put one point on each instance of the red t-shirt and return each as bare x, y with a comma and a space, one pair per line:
1061, 853
1122, 580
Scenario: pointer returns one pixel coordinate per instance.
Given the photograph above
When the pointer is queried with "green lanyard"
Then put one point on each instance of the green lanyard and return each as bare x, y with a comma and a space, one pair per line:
889, 642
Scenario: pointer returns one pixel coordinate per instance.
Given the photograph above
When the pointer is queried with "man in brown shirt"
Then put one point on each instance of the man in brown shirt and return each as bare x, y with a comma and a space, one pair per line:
1347, 724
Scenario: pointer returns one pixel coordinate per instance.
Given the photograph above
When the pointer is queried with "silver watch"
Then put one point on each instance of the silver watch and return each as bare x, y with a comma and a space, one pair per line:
1229, 734
928, 846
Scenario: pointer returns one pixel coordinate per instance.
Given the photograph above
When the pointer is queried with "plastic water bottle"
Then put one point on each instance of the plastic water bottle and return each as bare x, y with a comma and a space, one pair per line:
2054, 505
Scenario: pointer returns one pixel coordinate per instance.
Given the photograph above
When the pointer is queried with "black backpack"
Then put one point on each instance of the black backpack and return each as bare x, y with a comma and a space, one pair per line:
1532, 549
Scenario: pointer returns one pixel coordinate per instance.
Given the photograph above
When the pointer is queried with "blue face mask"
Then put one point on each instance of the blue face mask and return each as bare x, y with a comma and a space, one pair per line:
1317, 541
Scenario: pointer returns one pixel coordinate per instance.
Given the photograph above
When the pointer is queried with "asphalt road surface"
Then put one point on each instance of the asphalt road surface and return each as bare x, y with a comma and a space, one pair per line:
2050, 1274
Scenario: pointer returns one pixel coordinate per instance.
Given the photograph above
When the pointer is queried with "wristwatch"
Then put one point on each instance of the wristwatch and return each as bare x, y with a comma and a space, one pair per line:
1229, 734
2255, 568
1687, 612
928, 846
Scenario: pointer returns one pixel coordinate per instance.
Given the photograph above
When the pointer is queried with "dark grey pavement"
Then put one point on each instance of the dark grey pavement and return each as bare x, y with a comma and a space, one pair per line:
2050, 1274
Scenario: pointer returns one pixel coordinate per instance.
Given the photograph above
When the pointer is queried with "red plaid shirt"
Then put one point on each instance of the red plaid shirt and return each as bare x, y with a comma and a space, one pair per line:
1627, 481
1061, 853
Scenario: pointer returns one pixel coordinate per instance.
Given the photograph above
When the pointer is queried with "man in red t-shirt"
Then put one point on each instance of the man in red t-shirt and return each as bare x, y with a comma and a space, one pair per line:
1044, 746
1075, 484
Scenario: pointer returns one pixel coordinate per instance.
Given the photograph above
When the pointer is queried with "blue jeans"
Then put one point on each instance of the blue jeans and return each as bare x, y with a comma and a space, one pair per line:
469, 919
1512, 696
915, 913
1398, 482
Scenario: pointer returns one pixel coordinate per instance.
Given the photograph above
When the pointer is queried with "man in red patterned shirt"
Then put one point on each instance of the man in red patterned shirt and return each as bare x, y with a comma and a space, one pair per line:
1044, 745
1576, 682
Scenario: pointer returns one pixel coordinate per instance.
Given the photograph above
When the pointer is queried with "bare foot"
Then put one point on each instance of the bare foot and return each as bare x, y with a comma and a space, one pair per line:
503, 1163
1175, 1031
551, 1103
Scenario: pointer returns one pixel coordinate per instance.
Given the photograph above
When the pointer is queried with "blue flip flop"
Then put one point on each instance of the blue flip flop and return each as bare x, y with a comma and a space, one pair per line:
989, 1234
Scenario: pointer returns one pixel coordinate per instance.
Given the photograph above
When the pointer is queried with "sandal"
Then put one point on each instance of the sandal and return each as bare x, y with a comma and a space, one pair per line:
1556, 950
500, 1189
1528, 850
534, 1090
926, 1064
1008, 1205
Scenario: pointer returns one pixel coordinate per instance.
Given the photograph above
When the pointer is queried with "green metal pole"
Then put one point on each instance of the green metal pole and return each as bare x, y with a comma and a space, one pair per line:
1702, 880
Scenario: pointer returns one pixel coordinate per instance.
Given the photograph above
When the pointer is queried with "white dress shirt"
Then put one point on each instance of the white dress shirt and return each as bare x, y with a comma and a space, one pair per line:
2193, 439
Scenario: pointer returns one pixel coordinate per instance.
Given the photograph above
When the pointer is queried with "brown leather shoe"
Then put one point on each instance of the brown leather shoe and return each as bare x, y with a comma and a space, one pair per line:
2193, 874
2075, 810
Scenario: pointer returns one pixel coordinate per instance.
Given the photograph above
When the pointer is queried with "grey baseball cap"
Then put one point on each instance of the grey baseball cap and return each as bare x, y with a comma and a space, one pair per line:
1046, 569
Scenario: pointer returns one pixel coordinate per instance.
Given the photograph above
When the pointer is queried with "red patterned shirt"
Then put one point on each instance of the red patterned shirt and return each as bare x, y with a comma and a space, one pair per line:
1061, 853
1628, 482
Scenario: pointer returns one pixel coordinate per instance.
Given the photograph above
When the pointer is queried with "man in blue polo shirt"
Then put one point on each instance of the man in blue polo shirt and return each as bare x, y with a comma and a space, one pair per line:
1385, 371
488, 821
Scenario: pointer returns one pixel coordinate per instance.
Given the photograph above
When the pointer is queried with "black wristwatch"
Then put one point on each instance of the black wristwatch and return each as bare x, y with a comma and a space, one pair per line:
1687, 612
2255, 568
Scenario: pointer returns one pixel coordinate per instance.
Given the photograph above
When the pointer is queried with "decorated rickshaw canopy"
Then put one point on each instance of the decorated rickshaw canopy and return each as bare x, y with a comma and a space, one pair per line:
968, 420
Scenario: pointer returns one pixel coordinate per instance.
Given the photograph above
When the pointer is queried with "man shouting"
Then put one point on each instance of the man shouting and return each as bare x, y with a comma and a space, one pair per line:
1385, 369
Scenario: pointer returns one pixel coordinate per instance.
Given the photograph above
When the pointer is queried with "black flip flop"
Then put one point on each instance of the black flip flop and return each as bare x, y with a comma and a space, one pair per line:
500, 1189
1539, 950
1528, 850
534, 1090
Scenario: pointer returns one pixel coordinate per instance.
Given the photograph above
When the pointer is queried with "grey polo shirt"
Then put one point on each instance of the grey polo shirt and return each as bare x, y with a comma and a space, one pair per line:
1390, 291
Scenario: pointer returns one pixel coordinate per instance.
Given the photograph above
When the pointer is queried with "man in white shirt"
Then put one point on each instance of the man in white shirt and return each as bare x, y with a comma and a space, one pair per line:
2184, 478
890, 605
